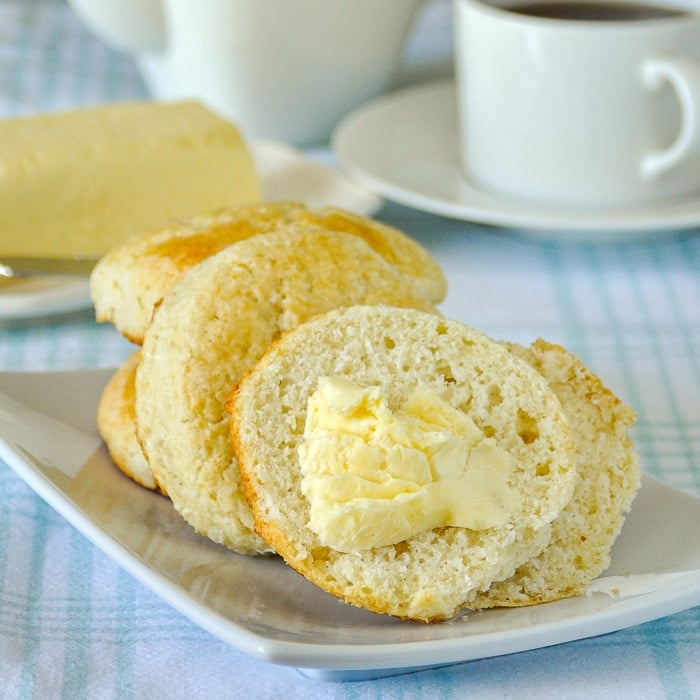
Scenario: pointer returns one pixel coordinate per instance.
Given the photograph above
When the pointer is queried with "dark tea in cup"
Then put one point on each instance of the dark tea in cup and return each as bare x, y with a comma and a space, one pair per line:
600, 11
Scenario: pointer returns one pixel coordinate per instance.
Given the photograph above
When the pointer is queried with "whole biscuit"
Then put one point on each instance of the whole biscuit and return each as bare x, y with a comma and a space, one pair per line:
214, 325
131, 279
116, 423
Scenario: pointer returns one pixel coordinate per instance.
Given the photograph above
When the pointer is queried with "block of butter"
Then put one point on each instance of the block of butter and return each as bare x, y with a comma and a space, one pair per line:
75, 184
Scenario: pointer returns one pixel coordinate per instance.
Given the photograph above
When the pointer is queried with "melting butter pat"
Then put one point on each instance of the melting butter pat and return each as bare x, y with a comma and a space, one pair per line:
375, 477
75, 184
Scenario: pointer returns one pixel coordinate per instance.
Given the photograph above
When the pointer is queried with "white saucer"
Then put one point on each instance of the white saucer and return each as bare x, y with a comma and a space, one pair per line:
285, 174
404, 147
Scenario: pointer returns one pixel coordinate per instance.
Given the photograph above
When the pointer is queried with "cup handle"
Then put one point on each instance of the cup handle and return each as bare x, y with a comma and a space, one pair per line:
684, 77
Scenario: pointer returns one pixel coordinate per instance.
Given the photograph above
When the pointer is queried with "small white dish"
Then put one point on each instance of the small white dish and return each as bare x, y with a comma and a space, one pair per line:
263, 608
285, 174
404, 146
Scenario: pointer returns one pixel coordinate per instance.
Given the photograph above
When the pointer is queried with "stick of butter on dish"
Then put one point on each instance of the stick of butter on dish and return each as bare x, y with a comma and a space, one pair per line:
75, 184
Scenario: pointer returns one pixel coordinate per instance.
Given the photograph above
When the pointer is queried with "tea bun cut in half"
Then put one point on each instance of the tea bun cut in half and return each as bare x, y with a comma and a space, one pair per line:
130, 280
582, 536
116, 423
409, 358
211, 327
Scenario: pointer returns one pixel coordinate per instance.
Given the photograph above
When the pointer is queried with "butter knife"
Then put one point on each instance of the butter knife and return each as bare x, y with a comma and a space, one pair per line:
19, 267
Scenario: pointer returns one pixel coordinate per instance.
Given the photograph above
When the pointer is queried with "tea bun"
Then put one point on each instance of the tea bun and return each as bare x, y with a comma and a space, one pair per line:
131, 279
116, 423
213, 326
431, 575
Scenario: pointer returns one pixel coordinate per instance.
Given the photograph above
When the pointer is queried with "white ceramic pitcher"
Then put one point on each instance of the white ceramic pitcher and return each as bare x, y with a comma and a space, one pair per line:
282, 69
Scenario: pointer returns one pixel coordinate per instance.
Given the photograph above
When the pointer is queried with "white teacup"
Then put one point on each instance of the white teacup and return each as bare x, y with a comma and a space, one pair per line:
598, 112
282, 69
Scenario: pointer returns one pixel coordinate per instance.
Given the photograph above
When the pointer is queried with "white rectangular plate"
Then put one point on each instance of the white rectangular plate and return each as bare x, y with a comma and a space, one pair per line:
263, 608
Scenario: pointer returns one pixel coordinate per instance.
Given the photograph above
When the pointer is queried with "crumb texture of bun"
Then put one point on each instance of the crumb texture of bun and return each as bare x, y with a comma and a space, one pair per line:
130, 280
432, 575
583, 535
213, 326
116, 423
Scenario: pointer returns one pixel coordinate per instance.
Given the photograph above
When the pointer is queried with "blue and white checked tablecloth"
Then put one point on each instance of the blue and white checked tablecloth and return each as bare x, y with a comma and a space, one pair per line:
74, 625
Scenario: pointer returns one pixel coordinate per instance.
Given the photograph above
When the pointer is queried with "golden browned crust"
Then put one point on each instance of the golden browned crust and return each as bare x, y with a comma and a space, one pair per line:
130, 280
